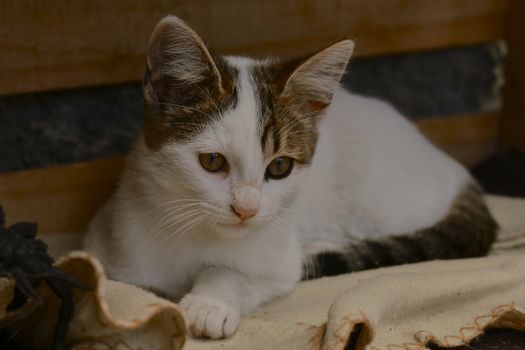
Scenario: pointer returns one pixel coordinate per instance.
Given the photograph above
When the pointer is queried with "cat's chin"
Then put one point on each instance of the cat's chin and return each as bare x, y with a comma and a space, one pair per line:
234, 230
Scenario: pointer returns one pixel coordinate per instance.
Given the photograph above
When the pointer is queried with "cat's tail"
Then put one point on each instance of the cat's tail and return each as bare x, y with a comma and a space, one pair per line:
467, 231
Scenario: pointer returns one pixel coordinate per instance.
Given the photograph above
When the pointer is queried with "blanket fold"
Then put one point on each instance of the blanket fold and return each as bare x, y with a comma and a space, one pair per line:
447, 303
112, 315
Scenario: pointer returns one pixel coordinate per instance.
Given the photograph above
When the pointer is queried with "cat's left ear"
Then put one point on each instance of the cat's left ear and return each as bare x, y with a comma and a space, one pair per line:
178, 61
313, 83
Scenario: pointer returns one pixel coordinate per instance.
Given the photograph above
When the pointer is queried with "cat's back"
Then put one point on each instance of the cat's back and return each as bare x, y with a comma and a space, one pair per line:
374, 169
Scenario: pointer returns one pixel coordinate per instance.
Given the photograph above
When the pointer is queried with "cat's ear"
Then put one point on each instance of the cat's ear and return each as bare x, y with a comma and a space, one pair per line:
177, 58
314, 82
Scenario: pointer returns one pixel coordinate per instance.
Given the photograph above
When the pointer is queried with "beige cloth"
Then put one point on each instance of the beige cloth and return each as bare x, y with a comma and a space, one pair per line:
403, 307
111, 316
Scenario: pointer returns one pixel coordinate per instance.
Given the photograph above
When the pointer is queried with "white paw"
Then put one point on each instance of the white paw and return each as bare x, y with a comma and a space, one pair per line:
209, 317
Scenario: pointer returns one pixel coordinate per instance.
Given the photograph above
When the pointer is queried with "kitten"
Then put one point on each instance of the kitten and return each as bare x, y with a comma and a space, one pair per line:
247, 169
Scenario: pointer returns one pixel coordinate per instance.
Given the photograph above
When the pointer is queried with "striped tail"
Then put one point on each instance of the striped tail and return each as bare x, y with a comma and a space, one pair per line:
467, 231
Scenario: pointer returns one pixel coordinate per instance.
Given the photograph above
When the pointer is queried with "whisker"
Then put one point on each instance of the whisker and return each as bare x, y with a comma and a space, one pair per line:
184, 228
291, 210
174, 209
173, 222
294, 123
278, 227
207, 95
185, 107
168, 213
170, 202
286, 222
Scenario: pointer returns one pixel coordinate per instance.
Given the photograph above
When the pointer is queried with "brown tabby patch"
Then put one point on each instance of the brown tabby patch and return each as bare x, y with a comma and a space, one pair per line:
284, 125
467, 231
178, 111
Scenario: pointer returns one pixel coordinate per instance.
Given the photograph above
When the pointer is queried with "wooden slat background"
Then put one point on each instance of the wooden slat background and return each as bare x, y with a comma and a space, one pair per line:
57, 44
64, 198
467, 138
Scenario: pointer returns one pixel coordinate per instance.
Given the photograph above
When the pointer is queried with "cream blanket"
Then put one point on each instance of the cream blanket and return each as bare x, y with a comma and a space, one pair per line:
404, 307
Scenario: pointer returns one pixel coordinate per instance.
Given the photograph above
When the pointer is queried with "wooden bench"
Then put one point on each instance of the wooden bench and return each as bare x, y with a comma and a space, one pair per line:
64, 44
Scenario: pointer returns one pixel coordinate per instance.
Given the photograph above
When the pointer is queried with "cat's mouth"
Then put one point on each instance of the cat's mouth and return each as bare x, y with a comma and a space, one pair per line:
232, 230
236, 229
237, 225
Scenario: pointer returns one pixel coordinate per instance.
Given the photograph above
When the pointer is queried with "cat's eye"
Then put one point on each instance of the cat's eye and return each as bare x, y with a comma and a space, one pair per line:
213, 162
279, 168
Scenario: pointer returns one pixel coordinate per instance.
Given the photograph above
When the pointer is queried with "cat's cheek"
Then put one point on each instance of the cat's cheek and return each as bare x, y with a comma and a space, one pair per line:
282, 193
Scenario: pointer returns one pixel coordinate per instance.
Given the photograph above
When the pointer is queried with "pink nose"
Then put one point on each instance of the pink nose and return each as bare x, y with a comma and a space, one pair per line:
244, 213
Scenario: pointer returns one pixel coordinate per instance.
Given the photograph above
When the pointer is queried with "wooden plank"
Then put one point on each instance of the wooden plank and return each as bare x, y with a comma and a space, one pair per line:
64, 198
513, 113
60, 199
467, 138
56, 44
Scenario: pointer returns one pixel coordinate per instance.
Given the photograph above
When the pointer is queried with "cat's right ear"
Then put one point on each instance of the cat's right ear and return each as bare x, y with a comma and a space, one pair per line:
177, 59
313, 84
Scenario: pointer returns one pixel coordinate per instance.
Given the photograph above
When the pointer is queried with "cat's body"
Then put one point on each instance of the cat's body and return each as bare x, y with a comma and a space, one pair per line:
363, 179
376, 173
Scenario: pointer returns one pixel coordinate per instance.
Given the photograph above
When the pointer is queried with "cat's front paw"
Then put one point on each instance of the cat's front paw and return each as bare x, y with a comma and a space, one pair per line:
209, 317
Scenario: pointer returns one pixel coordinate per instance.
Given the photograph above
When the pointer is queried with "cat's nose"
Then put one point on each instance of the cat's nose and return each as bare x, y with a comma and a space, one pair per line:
245, 201
244, 213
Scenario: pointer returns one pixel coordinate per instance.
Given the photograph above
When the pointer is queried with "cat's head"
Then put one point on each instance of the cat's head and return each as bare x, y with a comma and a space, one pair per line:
230, 139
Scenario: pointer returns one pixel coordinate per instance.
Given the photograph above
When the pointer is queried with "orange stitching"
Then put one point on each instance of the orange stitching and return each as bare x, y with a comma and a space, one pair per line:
94, 342
351, 321
449, 338
404, 346
480, 323
336, 332
463, 330
412, 346
499, 310
393, 347
478, 320
338, 329
317, 338
423, 336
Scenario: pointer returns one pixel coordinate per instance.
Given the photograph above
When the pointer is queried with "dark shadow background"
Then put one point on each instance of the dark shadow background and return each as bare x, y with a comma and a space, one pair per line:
60, 127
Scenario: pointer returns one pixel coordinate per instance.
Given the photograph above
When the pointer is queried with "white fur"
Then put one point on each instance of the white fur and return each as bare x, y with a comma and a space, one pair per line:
373, 175
170, 226
156, 242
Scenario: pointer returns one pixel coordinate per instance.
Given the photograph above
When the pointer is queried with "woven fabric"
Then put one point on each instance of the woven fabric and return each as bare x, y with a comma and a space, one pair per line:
397, 308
